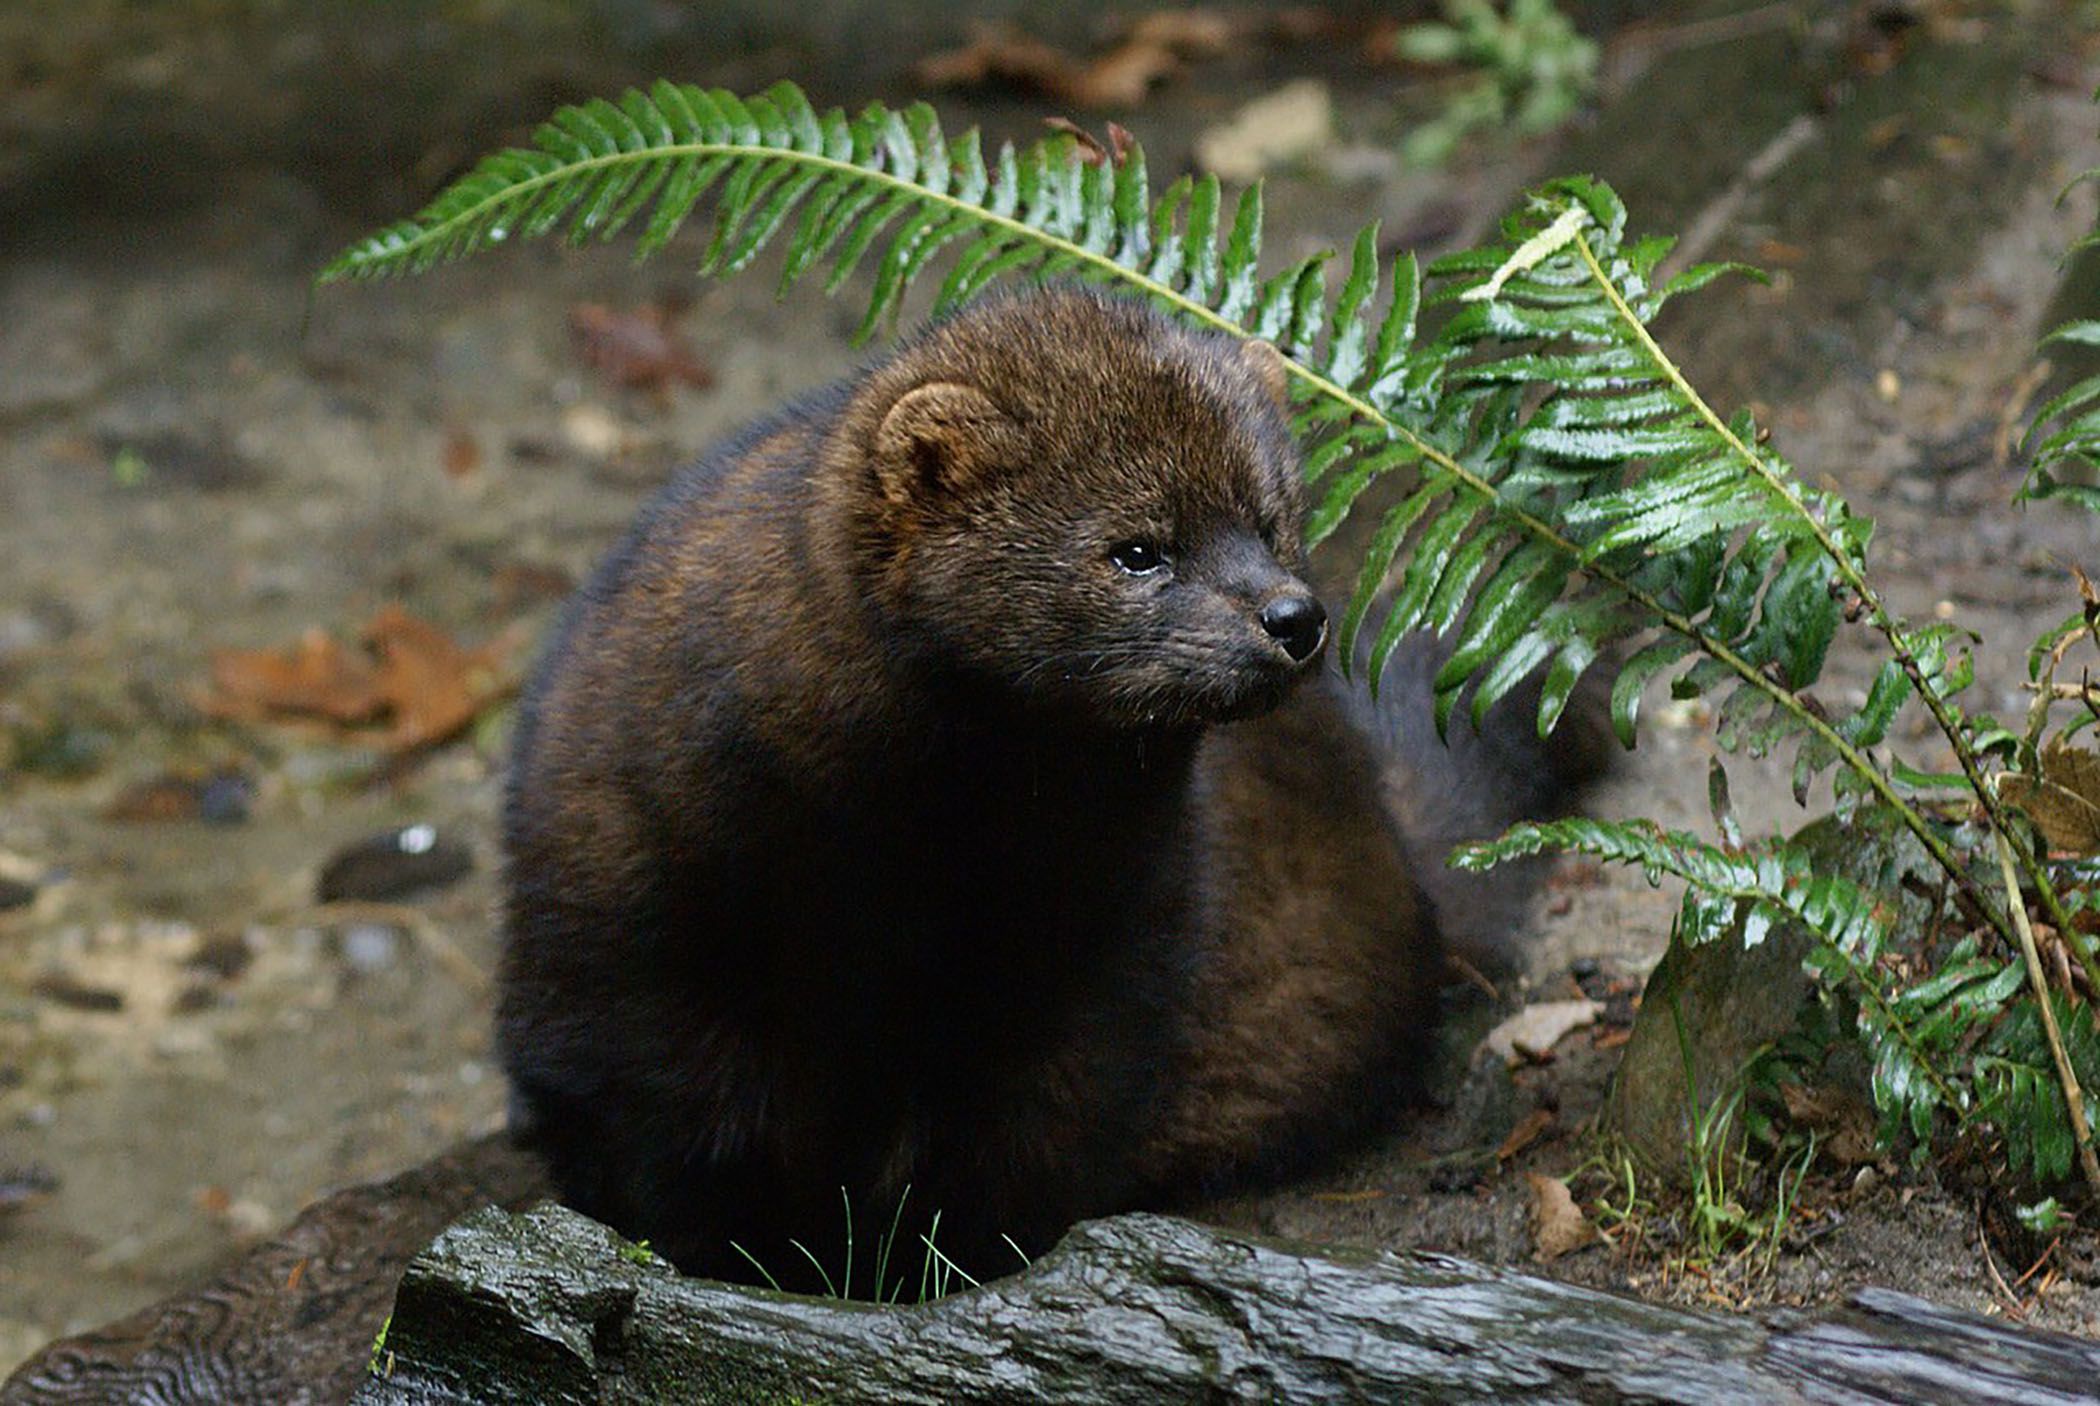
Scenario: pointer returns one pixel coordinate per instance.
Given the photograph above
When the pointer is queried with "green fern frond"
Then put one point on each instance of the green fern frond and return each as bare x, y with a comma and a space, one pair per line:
2065, 433
2022, 1097
1531, 539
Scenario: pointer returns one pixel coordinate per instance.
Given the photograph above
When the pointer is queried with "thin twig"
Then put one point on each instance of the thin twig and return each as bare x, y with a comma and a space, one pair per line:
2012, 1302
2074, 1100
1472, 974
2039, 1261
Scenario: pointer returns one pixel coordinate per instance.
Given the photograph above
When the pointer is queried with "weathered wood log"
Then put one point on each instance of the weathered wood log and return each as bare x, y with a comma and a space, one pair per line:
292, 1322
550, 1307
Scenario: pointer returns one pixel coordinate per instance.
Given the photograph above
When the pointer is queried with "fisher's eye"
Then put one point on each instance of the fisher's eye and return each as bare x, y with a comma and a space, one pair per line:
1137, 558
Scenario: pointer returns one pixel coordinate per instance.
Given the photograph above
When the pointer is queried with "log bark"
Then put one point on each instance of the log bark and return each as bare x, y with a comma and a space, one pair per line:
292, 1322
550, 1307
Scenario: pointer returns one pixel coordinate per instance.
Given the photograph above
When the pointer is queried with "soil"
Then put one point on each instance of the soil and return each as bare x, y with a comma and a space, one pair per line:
197, 454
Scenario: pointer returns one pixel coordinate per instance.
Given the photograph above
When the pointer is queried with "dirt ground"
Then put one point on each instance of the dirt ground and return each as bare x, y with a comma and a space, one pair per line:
197, 455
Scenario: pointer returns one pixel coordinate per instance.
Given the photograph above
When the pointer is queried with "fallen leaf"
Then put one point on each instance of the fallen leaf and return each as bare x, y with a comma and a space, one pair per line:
2064, 802
1275, 129
1527, 1132
1538, 1028
160, 798
637, 348
222, 797
435, 687
1558, 1226
1195, 32
1122, 76
461, 454
1088, 149
411, 686
1005, 54
1842, 1121
317, 676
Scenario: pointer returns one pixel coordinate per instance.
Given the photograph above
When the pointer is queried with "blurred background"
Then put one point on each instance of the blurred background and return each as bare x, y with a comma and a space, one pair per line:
272, 559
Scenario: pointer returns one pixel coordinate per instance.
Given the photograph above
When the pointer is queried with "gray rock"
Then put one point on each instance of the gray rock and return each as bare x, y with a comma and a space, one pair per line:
1735, 1001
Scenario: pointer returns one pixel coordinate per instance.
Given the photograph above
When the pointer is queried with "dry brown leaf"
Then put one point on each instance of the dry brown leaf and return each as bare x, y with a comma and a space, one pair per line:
1198, 33
412, 686
2064, 802
1090, 151
1289, 124
638, 348
1003, 53
434, 687
1122, 76
1558, 1226
1088, 147
1527, 1132
1842, 1121
317, 677
1538, 1027
160, 798
461, 455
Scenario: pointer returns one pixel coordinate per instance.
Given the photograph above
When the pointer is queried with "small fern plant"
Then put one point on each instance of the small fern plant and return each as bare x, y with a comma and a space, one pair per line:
1569, 502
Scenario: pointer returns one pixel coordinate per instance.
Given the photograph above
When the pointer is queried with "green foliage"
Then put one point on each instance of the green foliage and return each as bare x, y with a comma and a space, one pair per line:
2044, 1217
2023, 1098
2065, 433
1566, 497
938, 1275
1533, 70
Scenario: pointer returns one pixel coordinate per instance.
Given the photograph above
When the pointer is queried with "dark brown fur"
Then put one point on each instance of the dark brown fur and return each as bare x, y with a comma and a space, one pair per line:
871, 829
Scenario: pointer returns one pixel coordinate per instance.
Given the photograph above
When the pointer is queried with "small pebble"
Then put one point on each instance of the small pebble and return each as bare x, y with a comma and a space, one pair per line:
193, 999
225, 956
250, 1219
15, 894
24, 1186
370, 947
393, 864
590, 429
225, 798
74, 994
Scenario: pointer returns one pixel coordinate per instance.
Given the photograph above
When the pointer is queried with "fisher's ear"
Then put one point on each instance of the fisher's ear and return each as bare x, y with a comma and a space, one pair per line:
937, 438
1269, 368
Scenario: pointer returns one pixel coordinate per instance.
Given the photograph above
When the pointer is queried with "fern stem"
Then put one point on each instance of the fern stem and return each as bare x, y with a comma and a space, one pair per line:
356, 262
1878, 615
2074, 1099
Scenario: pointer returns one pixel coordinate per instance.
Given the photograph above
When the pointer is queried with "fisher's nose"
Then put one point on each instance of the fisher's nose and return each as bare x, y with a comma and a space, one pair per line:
1298, 622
